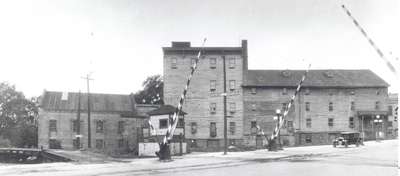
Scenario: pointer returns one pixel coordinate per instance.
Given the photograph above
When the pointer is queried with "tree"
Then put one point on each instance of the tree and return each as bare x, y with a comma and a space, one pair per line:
152, 92
18, 117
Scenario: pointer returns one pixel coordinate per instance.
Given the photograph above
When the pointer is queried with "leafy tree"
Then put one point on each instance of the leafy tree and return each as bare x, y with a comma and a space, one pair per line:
152, 92
18, 117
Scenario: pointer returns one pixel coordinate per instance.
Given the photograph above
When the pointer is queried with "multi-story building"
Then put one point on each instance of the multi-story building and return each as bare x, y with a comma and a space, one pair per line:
331, 101
115, 122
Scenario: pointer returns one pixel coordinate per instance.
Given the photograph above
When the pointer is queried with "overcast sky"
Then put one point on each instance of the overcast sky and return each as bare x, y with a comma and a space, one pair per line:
52, 44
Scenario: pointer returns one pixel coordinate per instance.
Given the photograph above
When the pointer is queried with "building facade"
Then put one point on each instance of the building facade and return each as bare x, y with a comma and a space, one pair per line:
393, 109
330, 102
115, 122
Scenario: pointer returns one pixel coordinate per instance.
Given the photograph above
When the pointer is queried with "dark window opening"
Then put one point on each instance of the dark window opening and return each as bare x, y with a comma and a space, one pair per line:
330, 122
163, 123
213, 129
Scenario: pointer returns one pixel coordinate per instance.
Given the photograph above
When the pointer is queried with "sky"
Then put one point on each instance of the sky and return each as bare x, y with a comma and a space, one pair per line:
52, 44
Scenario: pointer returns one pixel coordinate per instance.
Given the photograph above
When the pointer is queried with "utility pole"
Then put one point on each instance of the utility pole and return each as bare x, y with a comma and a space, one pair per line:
78, 119
225, 119
87, 78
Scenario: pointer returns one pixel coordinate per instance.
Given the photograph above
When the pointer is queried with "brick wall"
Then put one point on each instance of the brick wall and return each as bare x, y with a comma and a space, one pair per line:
110, 134
199, 96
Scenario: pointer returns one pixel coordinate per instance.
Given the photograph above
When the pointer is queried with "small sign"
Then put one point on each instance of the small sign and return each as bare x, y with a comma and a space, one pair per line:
79, 136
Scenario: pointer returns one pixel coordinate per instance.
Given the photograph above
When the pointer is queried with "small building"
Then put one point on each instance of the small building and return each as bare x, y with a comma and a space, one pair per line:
160, 119
115, 122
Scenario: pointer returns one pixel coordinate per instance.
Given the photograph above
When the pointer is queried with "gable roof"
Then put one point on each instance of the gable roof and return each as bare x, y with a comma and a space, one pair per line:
165, 109
315, 78
113, 103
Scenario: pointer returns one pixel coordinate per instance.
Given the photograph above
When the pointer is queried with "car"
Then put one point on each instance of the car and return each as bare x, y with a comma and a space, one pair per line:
348, 138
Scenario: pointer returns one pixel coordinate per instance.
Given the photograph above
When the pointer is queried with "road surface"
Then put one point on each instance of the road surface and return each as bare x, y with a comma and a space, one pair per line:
375, 158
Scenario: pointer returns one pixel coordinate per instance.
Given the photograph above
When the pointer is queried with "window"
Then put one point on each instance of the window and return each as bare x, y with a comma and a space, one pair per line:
163, 123
253, 127
232, 127
193, 143
99, 126
289, 124
53, 125
330, 122
232, 85
378, 92
284, 91
307, 91
307, 106
174, 62
377, 105
99, 143
213, 85
121, 143
193, 127
330, 106
352, 106
181, 123
213, 129
351, 122
284, 106
308, 138
121, 127
390, 110
308, 123
213, 108
75, 125
253, 90
232, 107
390, 124
253, 124
213, 63
253, 107
231, 62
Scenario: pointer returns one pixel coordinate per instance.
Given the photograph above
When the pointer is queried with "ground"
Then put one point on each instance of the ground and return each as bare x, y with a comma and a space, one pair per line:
374, 158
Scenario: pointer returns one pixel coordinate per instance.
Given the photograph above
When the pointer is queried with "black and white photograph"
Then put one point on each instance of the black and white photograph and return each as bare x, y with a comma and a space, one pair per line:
210, 88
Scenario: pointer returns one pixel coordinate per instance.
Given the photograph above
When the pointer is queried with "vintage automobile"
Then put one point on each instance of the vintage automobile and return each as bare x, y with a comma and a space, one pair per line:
348, 138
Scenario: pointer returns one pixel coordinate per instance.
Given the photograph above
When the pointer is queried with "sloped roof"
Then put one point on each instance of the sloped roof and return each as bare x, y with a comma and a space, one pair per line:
315, 78
51, 100
165, 109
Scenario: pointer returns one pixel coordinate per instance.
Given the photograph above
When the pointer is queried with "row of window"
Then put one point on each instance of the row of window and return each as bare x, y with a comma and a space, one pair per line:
163, 123
330, 122
213, 128
213, 85
352, 106
232, 106
213, 107
212, 61
253, 90
99, 126
100, 143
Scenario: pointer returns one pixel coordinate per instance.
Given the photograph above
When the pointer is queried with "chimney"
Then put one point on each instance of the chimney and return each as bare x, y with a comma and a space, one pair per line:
245, 61
180, 44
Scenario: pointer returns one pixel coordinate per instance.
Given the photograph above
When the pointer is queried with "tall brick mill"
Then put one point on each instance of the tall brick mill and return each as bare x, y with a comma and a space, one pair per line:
330, 102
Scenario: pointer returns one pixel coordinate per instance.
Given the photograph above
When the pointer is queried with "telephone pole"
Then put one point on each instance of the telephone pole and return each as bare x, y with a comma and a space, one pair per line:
225, 118
87, 78
78, 123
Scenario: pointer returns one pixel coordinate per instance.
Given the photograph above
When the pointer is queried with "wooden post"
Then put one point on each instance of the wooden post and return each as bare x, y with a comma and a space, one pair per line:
180, 144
